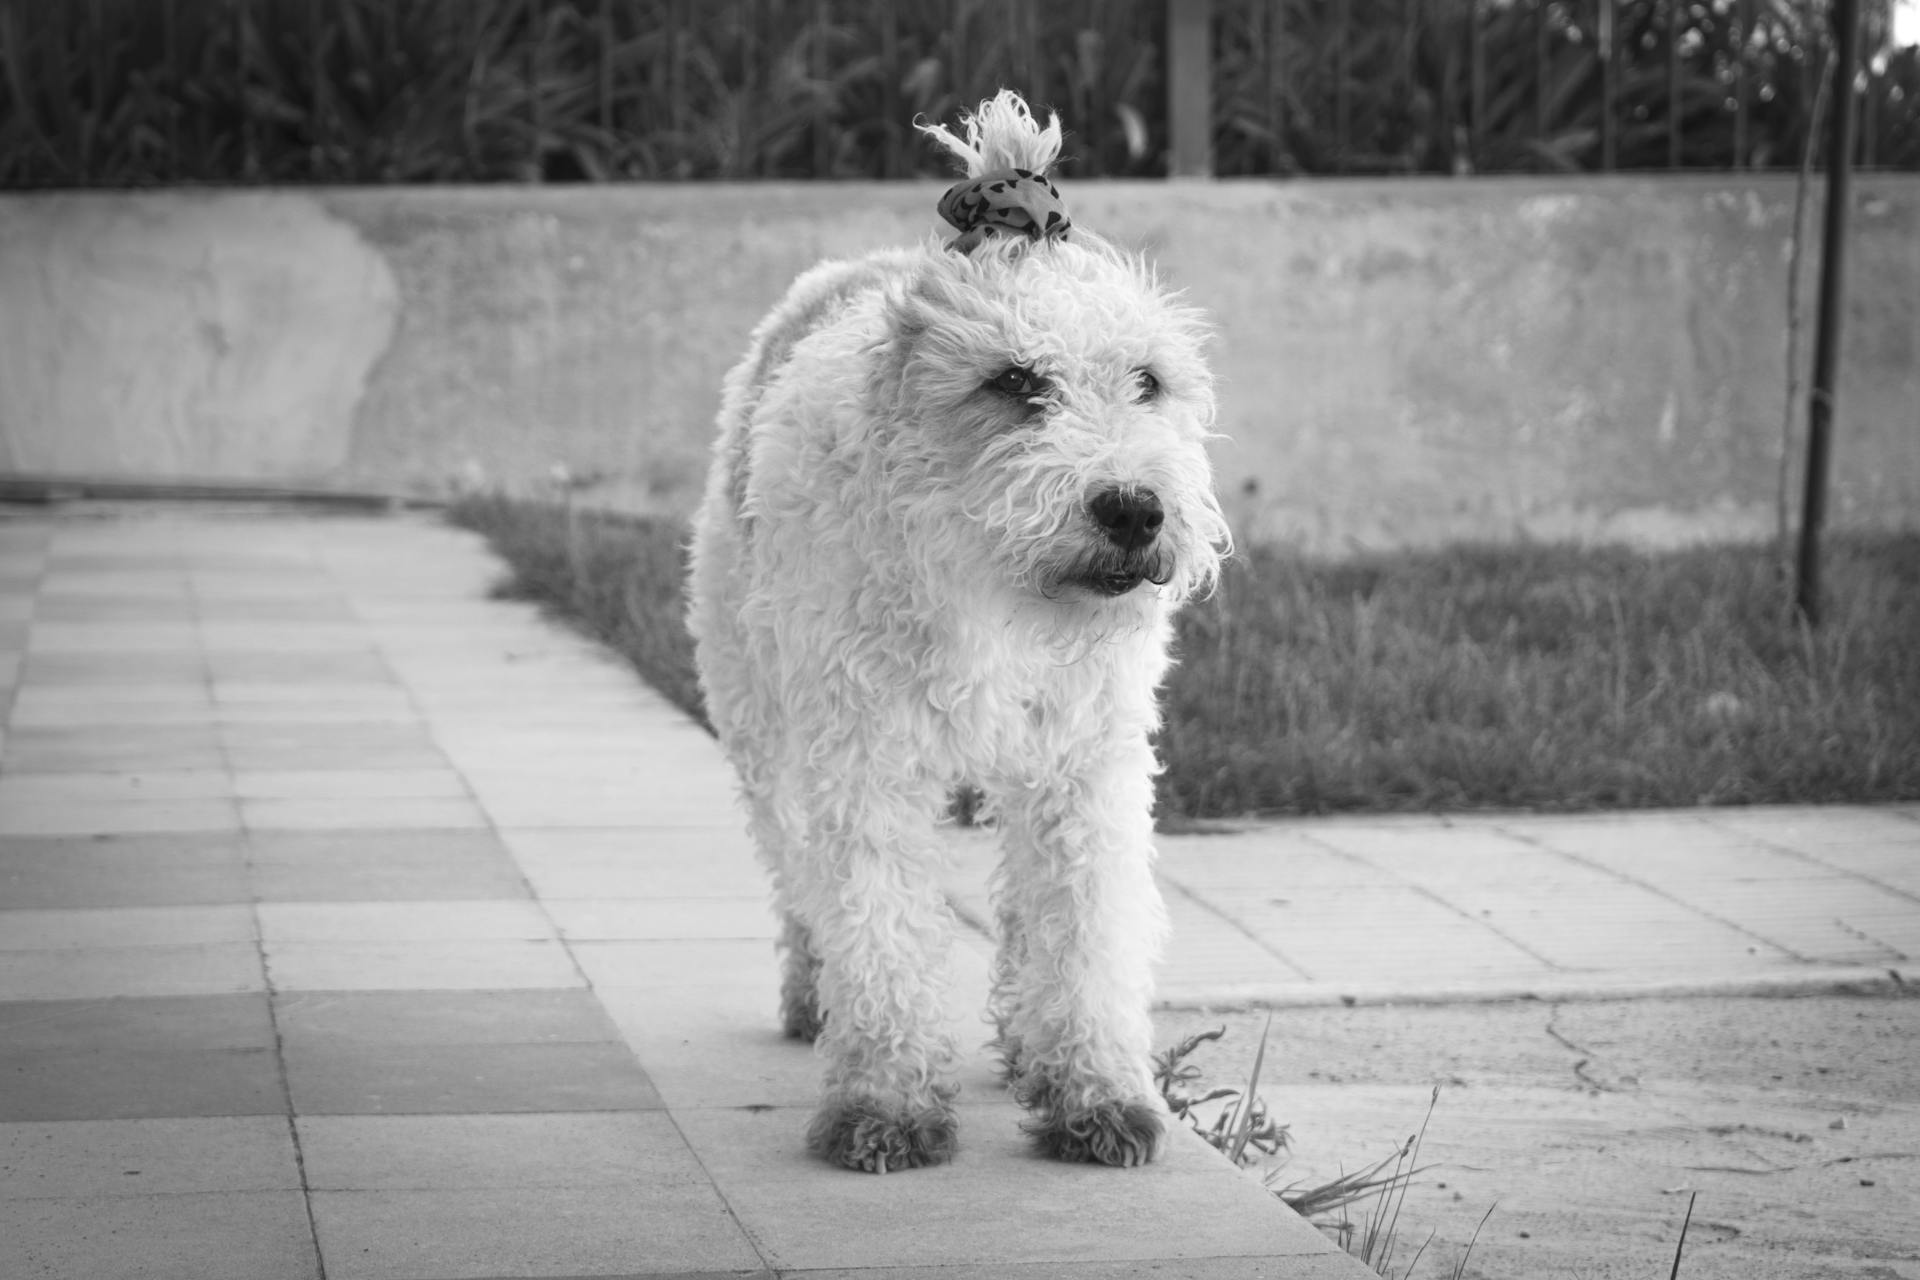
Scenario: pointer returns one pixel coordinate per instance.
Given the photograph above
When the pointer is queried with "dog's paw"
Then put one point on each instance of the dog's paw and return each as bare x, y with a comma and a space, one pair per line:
866, 1136
800, 1017
1008, 1064
1116, 1133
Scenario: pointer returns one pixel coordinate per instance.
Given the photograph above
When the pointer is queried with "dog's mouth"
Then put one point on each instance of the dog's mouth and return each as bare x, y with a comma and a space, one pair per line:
1114, 584
1114, 576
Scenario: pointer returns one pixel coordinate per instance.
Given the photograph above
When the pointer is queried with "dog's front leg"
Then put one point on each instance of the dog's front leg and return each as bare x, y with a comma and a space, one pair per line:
881, 929
1078, 880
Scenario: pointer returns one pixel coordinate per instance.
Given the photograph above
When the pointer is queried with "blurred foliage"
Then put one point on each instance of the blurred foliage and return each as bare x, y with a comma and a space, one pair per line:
1452, 86
136, 92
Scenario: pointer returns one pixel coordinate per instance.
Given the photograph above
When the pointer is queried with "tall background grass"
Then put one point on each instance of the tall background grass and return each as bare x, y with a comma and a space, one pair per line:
138, 92
1545, 677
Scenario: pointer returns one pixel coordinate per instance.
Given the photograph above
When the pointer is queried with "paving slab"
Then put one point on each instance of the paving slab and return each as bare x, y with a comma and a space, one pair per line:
1043, 1211
83, 790
464, 1018
440, 964
352, 669
97, 1158
147, 869
97, 670
1304, 1267
1506, 906
234, 1235
456, 1051
353, 865
553, 1149
115, 1058
669, 862
57, 606
420, 1079
356, 811
70, 973
65, 816
130, 748
643, 919
348, 784
437, 920
364, 749
80, 929
529, 1231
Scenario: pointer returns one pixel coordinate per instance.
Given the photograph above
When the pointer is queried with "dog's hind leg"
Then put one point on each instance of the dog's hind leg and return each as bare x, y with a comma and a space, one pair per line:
881, 927
777, 840
800, 1015
1090, 923
799, 964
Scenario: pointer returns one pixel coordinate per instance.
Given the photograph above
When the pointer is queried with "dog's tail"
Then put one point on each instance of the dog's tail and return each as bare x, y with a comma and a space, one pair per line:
1001, 134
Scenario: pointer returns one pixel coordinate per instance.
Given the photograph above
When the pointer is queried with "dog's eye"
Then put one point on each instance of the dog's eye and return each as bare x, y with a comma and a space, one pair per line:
1145, 386
1019, 382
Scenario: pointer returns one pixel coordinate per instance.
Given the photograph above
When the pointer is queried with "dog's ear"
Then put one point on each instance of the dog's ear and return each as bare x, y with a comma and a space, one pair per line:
927, 358
905, 320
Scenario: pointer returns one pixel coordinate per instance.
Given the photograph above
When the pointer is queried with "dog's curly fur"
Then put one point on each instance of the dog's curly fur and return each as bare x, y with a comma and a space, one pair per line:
955, 500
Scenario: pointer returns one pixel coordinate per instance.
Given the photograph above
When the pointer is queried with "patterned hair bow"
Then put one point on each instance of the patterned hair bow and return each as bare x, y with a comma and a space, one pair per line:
1011, 200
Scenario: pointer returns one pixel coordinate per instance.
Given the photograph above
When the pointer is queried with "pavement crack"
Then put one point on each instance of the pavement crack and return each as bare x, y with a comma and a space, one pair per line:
1590, 1082
1848, 927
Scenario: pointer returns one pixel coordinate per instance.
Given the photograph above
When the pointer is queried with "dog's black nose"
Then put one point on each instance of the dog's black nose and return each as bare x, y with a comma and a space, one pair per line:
1131, 518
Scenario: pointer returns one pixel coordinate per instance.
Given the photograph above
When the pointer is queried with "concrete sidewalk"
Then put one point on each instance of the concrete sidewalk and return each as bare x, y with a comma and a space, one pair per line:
352, 924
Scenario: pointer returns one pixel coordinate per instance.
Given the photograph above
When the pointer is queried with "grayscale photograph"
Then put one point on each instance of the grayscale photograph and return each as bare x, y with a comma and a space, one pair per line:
960, 639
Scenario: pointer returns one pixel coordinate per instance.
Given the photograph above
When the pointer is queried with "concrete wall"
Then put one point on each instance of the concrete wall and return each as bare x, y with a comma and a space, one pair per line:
1401, 362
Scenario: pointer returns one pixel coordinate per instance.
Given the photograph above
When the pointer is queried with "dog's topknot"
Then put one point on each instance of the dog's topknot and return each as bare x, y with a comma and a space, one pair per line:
1000, 134
1006, 155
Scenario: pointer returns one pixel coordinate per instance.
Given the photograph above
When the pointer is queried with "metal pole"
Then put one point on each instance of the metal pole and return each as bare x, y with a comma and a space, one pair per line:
1477, 137
534, 122
249, 147
170, 37
1276, 60
1742, 40
1540, 70
1675, 11
320, 133
1190, 88
892, 162
1826, 351
1604, 49
97, 81
603, 66
1342, 67
822, 118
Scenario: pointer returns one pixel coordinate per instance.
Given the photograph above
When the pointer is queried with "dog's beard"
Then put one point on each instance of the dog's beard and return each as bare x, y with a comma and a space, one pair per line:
1109, 572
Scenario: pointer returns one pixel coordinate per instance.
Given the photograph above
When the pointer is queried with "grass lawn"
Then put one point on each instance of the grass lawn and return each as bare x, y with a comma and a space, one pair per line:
1525, 677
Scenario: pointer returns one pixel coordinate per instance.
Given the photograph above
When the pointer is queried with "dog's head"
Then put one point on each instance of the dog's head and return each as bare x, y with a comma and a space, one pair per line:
1046, 394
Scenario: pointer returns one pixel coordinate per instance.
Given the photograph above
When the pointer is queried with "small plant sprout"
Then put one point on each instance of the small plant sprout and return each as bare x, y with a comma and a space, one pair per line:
1386, 1182
1678, 1248
1251, 1125
1245, 1130
1246, 1124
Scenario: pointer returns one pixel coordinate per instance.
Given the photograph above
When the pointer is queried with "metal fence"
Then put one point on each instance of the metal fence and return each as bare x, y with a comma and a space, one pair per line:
135, 92
1391, 86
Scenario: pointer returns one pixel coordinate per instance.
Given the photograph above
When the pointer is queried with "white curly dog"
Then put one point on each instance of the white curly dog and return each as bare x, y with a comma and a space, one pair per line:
958, 492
